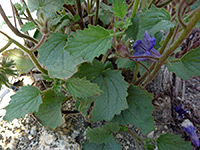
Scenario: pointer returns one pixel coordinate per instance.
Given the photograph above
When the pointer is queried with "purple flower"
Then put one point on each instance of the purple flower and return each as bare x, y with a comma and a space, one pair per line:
189, 128
145, 48
180, 111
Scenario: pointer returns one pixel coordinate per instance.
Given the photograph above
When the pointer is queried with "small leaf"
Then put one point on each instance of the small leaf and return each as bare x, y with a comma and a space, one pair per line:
152, 19
26, 100
120, 8
89, 43
58, 62
49, 112
172, 142
113, 100
139, 112
112, 145
102, 135
188, 66
23, 62
82, 88
28, 26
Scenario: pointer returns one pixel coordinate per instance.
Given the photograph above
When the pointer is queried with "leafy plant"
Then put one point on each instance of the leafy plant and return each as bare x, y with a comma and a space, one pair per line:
85, 50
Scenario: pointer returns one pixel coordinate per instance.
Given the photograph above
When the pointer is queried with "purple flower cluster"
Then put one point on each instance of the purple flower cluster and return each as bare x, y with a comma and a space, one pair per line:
145, 48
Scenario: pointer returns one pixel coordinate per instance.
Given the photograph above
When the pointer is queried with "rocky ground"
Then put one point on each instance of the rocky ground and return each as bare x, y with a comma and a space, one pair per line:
29, 134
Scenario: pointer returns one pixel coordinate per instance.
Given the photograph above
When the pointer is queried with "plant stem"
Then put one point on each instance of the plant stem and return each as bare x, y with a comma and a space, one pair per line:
179, 15
97, 12
40, 43
135, 8
30, 54
151, 3
88, 9
15, 30
164, 3
166, 41
78, 2
130, 5
135, 73
103, 60
6, 46
28, 13
172, 48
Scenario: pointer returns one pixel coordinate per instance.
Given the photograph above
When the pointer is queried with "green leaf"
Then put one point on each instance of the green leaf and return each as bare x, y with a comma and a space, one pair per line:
22, 62
48, 7
139, 112
153, 20
26, 100
113, 100
89, 43
133, 29
188, 66
49, 112
125, 63
58, 62
102, 135
90, 70
28, 26
82, 88
172, 142
120, 8
112, 145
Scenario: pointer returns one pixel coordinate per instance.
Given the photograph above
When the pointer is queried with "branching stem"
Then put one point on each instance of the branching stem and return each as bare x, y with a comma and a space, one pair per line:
30, 54
6, 46
135, 8
97, 12
15, 30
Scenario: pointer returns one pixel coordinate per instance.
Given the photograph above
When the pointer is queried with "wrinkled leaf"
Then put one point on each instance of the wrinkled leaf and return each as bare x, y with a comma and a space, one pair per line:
26, 100
48, 7
23, 62
82, 88
169, 141
102, 135
90, 70
132, 30
113, 100
125, 63
112, 145
139, 112
58, 62
89, 43
152, 19
49, 113
188, 66
119, 8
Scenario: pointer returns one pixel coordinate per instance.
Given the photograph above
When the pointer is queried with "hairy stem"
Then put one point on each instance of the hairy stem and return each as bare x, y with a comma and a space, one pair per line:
172, 48
97, 12
15, 30
27, 51
135, 8
40, 43
6, 46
